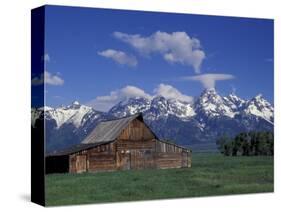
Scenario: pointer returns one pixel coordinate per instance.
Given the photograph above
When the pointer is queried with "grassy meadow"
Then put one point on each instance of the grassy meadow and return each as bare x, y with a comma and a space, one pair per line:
211, 174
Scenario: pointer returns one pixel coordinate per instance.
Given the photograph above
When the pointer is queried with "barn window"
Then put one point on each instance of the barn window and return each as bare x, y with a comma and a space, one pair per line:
147, 152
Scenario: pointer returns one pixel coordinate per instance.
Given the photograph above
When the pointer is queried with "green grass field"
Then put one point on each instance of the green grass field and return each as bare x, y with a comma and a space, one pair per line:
211, 174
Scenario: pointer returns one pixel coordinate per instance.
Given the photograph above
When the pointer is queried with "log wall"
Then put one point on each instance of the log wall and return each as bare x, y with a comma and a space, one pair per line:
135, 148
100, 158
125, 155
168, 160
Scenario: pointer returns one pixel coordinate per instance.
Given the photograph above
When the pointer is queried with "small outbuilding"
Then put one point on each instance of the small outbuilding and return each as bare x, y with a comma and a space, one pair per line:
120, 144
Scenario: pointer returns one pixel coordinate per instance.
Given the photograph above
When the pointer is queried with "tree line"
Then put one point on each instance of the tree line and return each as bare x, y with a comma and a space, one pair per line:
247, 144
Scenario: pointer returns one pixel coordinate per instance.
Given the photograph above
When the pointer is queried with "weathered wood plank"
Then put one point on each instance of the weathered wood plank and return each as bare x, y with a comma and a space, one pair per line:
135, 148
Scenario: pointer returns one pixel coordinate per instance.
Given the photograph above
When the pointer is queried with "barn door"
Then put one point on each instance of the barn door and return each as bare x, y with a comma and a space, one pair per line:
146, 159
81, 163
184, 159
125, 161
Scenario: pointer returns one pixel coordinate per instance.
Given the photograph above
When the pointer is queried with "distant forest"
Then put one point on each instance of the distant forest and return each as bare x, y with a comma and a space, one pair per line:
247, 144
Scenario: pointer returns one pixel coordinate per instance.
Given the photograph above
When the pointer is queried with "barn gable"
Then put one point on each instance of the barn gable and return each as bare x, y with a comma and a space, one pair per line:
136, 130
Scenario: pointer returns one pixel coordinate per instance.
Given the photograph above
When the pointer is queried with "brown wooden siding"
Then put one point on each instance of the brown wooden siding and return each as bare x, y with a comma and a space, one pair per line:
102, 162
138, 145
135, 148
167, 147
136, 131
143, 159
100, 158
168, 160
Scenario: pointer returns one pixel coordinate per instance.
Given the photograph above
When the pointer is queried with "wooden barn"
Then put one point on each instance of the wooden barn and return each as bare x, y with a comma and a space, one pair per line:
120, 144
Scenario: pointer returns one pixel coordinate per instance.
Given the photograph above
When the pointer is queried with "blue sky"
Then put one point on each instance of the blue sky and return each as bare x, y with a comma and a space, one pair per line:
100, 56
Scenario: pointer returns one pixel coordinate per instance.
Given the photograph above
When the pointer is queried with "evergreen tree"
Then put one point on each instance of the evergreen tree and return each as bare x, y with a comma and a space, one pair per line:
247, 144
221, 141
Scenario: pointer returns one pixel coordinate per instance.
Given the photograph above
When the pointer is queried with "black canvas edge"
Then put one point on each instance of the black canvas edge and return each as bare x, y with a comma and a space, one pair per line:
37, 98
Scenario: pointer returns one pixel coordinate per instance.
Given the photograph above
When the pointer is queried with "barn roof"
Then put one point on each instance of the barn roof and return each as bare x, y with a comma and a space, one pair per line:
74, 149
105, 132
110, 130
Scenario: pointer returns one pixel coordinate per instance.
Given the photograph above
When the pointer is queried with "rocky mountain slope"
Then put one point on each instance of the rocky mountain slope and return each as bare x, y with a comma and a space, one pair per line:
197, 124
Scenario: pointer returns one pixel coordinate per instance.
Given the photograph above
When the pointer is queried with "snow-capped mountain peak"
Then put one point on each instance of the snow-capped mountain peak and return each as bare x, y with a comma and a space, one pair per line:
45, 108
235, 99
75, 103
258, 106
181, 109
160, 103
158, 107
211, 104
130, 106
234, 102
207, 117
71, 114
259, 97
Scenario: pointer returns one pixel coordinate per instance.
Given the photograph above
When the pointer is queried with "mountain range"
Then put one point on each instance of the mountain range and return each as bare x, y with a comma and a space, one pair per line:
196, 124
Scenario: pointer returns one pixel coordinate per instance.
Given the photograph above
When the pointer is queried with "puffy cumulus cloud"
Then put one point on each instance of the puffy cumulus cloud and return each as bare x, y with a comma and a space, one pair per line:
175, 47
119, 57
209, 80
104, 103
53, 79
169, 92
48, 78
132, 91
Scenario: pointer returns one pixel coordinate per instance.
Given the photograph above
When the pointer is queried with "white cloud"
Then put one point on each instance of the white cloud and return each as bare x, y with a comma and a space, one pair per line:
209, 80
175, 47
119, 57
169, 92
49, 78
104, 103
52, 79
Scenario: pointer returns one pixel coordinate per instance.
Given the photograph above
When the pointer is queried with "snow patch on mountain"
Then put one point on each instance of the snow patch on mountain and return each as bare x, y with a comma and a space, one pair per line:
202, 121
234, 102
181, 109
158, 107
208, 105
72, 114
130, 106
258, 106
212, 105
